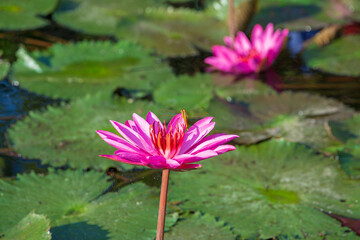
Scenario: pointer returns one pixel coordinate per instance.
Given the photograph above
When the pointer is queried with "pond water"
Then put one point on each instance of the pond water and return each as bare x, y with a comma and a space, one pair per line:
289, 72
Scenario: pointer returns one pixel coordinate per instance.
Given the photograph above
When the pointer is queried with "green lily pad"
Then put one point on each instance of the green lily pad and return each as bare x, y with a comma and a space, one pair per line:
244, 89
341, 57
66, 135
74, 70
298, 117
349, 156
300, 15
200, 227
185, 92
171, 31
77, 208
31, 227
21, 15
271, 189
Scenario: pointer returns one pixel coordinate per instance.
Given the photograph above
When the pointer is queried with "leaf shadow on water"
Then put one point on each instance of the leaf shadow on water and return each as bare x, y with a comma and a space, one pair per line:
79, 231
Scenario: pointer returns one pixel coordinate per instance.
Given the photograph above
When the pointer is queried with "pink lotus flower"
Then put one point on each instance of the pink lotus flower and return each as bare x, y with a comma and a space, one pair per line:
153, 144
242, 56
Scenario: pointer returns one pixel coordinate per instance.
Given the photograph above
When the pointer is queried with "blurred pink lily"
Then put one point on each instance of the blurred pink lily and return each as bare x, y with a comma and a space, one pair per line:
242, 56
153, 144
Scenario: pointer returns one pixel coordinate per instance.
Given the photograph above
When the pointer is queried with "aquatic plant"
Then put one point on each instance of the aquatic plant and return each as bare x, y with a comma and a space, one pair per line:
242, 56
175, 146
153, 144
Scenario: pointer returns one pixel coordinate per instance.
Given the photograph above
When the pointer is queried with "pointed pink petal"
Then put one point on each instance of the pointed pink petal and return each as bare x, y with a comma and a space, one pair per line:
119, 159
223, 149
228, 41
224, 52
195, 135
221, 64
130, 135
212, 141
189, 166
256, 37
177, 119
156, 162
134, 157
144, 131
242, 44
116, 141
131, 124
172, 163
151, 118
190, 158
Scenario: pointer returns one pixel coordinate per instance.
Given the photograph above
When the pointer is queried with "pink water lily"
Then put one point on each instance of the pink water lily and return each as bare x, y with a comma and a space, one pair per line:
153, 144
242, 56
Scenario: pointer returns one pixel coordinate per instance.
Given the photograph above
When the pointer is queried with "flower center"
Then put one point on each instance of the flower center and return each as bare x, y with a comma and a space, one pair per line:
253, 53
167, 141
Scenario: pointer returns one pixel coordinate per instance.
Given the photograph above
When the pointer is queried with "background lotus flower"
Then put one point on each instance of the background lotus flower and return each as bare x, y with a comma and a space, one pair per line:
153, 144
242, 56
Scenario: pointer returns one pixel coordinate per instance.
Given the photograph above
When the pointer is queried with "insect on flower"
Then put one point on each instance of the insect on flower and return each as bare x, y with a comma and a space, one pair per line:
149, 142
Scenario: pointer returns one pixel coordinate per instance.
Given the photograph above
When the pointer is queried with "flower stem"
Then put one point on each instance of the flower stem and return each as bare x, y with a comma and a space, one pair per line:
162, 205
231, 19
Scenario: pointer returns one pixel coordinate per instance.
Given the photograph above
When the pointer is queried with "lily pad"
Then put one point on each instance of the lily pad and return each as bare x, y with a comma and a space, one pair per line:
74, 70
349, 156
341, 57
171, 31
75, 198
300, 15
31, 227
66, 135
244, 89
298, 117
21, 15
200, 227
271, 189
185, 92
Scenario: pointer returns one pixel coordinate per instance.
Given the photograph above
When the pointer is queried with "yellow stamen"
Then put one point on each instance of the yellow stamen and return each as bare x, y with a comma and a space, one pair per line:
185, 117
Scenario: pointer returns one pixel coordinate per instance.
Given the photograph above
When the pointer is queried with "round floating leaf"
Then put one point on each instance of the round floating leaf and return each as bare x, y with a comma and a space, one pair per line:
349, 157
174, 32
77, 208
271, 189
170, 31
185, 92
66, 135
74, 70
298, 117
244, 89
199, 227
300, 15
341, 57
31, 227
20, 15
101, 17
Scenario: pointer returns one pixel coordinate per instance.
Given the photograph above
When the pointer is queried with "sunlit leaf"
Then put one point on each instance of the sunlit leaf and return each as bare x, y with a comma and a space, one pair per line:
20, 15
298, 117
77, 208
170, 31
341, 57
66, 135
185, 92
31, 227
271, 189
4, 66
199, 227
74, 70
